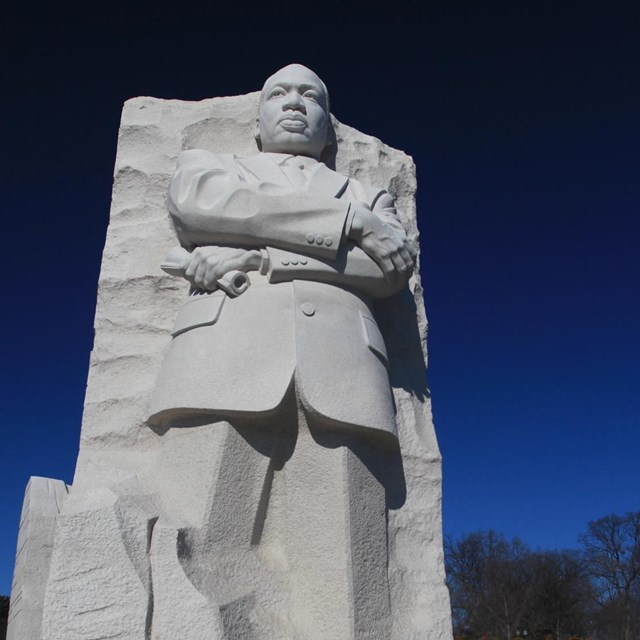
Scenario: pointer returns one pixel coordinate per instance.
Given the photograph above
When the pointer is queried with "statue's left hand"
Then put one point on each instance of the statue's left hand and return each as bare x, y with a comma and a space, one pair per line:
387, 245
209, 264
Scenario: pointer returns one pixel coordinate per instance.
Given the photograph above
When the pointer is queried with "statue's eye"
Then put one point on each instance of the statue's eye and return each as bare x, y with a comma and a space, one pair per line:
310, 95
277, 93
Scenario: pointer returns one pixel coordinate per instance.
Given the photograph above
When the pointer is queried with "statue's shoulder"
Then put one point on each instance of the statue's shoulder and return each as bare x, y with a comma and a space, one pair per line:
201, 157
255, 159
366, 192
259, 166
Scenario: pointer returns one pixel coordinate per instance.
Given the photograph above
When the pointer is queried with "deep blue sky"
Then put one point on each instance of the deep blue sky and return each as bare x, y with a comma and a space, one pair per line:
523, 119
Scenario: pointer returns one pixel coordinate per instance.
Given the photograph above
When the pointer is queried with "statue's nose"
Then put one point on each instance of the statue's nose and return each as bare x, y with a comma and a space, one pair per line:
294, 101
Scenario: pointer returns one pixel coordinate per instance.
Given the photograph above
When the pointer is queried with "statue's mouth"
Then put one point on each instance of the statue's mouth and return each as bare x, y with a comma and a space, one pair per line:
294, 115
293, 123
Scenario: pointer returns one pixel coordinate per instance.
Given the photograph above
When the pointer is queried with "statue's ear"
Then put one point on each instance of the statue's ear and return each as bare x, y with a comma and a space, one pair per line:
331, 134
256, 134
331, 147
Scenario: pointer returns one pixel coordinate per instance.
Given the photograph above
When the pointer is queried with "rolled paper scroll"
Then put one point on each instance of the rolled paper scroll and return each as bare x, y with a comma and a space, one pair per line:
233, 283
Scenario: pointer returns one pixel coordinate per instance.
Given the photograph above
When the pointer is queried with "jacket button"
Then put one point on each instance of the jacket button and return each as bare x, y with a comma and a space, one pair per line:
308, 309
303, 261
294, 261
328, 241
319, 239
310, 238
284, 261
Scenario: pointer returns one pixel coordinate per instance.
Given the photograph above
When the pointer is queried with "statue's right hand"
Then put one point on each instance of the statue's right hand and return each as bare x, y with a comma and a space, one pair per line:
208, 264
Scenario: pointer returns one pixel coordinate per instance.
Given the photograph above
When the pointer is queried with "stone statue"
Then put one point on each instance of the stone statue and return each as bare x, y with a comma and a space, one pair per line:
328, 243
256, 459
293, 359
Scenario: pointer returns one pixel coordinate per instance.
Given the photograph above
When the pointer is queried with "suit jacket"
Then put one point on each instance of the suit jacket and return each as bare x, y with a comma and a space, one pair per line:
308, 317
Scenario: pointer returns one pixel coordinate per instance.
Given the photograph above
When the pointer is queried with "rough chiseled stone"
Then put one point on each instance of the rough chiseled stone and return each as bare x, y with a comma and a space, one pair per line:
120, 563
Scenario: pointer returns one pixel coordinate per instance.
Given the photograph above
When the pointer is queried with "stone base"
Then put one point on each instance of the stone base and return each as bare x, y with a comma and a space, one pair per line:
43, 500
291, 543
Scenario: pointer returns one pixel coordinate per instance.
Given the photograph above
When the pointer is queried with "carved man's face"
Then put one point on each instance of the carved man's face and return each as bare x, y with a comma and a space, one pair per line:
294, 114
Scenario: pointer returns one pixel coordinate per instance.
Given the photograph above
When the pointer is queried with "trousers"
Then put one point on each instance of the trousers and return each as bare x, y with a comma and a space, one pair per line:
293, 543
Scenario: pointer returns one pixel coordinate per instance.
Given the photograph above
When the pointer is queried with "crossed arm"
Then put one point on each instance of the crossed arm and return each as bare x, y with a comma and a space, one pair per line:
240, 225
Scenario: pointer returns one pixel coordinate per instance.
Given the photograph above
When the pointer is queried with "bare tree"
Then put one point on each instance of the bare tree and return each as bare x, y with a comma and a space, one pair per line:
612, 557
502, 590
4, 614
491, 584
563, 594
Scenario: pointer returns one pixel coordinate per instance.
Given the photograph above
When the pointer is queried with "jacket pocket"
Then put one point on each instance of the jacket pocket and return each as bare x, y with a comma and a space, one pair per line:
200, 311
374, 338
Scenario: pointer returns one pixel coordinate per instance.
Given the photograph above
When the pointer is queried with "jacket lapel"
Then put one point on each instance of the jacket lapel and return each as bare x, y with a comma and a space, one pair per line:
327, 182
322, 180
262, 167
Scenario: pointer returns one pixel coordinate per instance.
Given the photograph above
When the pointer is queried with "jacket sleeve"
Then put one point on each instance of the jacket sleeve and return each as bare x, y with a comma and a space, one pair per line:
211, 203
351, 268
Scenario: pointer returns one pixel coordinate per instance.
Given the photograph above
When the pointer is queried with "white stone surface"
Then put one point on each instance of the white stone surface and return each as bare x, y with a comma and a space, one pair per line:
173, 592
127, 544
99, 581
43, 499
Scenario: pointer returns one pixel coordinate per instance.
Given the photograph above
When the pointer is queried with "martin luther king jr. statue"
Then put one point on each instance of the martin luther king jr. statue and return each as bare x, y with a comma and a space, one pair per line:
317, 245
294, 366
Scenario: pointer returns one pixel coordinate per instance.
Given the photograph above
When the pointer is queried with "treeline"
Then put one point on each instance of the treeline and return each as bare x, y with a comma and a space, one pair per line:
4, 614
501, 590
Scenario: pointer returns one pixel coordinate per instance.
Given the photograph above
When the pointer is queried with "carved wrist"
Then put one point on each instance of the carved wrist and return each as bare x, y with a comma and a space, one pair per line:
348, 223
264, 262
355, 224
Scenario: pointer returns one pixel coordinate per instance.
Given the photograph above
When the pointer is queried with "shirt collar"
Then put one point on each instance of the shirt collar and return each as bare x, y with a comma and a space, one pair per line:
283, 158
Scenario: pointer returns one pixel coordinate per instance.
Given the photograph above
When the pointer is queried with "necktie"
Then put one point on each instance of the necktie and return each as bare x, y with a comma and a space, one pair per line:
293, 168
